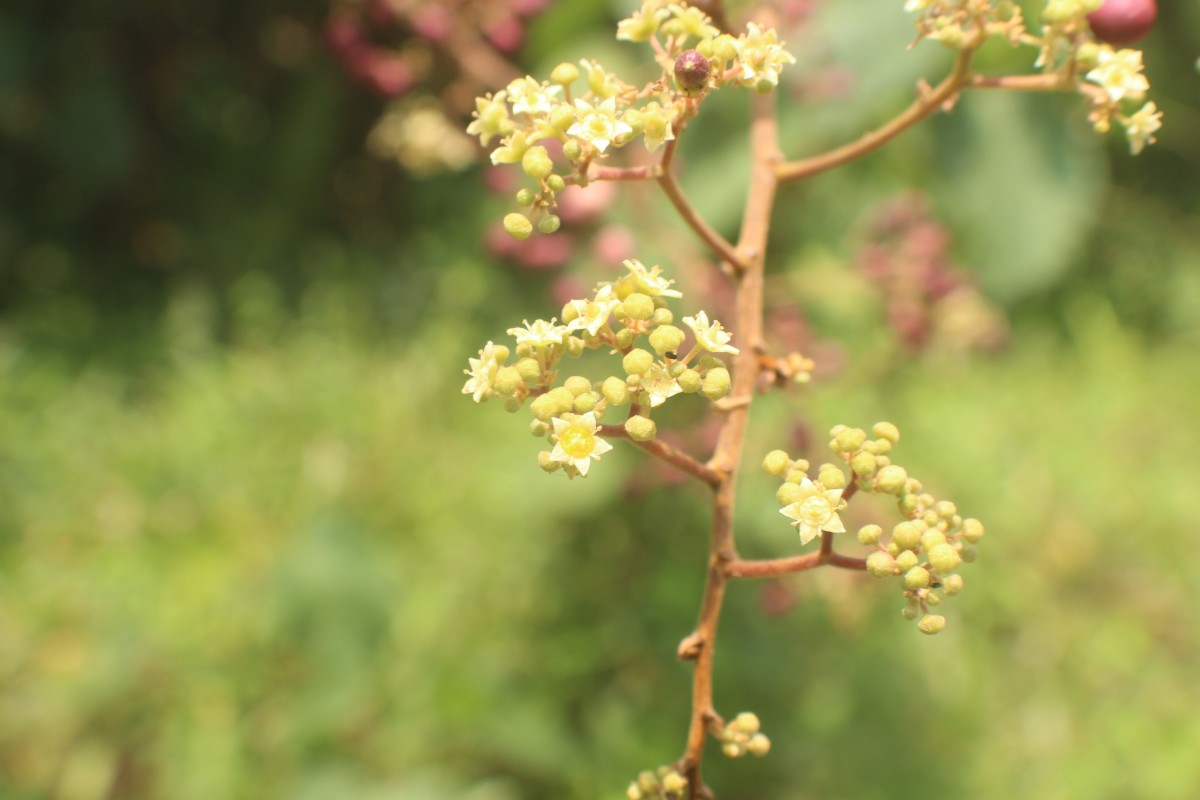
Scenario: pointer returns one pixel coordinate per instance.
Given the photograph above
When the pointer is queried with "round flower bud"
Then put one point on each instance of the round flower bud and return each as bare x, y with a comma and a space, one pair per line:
972, 530
931, 624
891, 479
549, 223
849, 440
945, 509
663, 316
544, 407
647, 781
910, 612
732, 750
716, 381
572, 149
952, 584
689, 380
546, 463
640, 429
863, 464
563, 397
709, 361
637, 361
512, 405
916, 578
586, 402
625, 338
869, 534
932, 538
536, 162
666, 338
673, 782
759, 745
508, 380
831, 477
561, 118
525, 197
932, 598
907, 535
747, 722
881, 565
555, 183
538, 428
518, 225
575, 346
907, 504
907, 560
798, 472
615, 390
968, 554
528, 369
691, 71
878, 446
638, 306
634, 793
886, 430
789, 493
577, 385
1122, 22
565, 73
776, 463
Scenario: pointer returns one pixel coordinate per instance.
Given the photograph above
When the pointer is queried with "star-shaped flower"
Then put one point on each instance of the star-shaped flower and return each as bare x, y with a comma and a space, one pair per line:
593, 314
539, 333
577, 442
642, 24
491, 117
483, 373
658, 383
1140, 127
598, 125
815, 511
761, 56
1119, 73
650, 281
711, 336
530, 97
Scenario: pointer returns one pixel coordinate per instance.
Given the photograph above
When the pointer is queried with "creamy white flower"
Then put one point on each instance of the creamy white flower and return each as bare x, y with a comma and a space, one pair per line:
530, 97
659, 385
815, 511
656, 126
643, 23
650, 281
491, 117
761, 56
598, 125
693, 20
1141, 126
483, 373
712, 336
539, 333
577, 442
1119, 73
593, 314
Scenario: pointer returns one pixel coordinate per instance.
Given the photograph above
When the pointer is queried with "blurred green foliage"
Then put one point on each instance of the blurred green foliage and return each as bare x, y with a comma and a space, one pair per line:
253, 542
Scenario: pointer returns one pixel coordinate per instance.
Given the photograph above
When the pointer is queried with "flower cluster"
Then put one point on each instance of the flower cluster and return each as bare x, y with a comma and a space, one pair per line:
1067, 48
742, 736
665, 783
695, 58
924, 550
615, 317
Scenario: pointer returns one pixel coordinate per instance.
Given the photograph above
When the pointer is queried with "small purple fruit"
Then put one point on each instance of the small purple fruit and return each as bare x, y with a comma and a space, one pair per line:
691, 71
1123, 22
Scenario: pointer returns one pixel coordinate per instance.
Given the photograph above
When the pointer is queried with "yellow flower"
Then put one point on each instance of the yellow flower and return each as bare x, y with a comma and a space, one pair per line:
1140, 127
577, 442
815, 511
711, 336
1119, 73
491, 118
643, 23
650, 281
539, 333
593, 314
598, 125
761, 56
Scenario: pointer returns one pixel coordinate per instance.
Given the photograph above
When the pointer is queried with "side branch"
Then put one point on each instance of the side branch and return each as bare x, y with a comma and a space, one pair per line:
775, 567
673, 456
928, 102
716, 242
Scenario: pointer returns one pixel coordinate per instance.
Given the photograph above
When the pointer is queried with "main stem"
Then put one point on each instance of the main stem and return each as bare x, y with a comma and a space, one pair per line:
752, 250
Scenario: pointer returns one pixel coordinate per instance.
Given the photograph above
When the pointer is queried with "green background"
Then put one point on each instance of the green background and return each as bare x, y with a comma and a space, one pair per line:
254, 543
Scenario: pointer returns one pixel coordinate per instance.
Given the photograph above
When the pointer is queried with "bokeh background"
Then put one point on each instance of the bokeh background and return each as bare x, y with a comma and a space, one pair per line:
254, 543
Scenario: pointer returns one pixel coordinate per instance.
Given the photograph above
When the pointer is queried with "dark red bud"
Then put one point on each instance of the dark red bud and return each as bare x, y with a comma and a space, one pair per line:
1123, 22
691, 71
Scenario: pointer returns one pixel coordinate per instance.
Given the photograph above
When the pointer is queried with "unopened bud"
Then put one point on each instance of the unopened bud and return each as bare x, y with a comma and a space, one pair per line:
691, 71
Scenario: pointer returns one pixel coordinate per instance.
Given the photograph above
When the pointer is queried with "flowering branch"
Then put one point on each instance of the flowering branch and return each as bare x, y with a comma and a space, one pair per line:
671, 455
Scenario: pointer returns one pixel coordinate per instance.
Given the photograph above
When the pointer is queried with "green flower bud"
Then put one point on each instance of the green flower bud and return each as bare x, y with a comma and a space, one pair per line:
615, 390
586, 402
640, 429
633, 118
907, 504
910, 612
538, 428
798, 472
863, 465
528, 369
732, 750
638, 306
545, 463
577, 385
637, 361
563, 397
907, 560
673, 782
524, 350
952, 584
634, 793
931, 624
572, 149
969, 554
907, 535
518, 225
869, 534
709, 361
549, 223
932, 538
647, 781
663, 316
512, 405
972, 530
758, 746
625, 338
891, 479
525, 197
777, 463
933, 598
831, 477
881, 565
916, 578
555, 183
508, 380
849, 440
544, 407
666, 339
724, 47
945, 509
536, 162
716, 381
747, 722
689, 380
564, 74
789, 493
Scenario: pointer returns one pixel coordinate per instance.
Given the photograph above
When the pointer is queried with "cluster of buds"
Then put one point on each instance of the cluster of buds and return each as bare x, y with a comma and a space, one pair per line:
924, 550
617, 317
959, 25
609, 113
742, 736
665, 783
